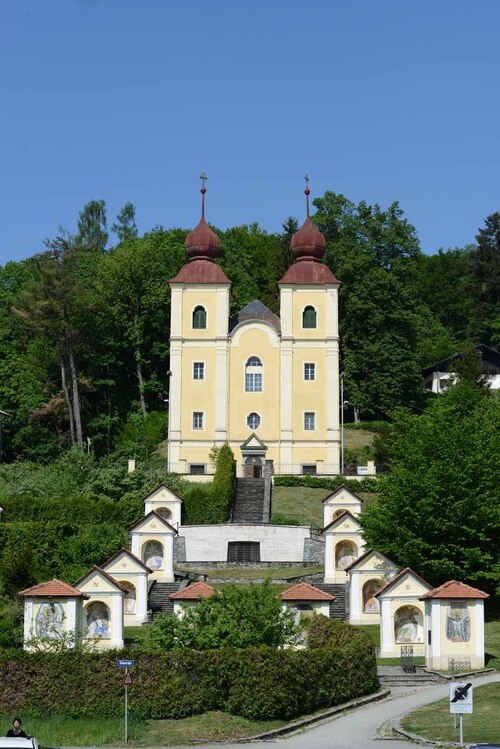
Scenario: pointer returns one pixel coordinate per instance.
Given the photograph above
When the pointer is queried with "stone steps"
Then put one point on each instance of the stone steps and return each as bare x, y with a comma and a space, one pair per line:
158, 598
248, 504
393, 676
338, 607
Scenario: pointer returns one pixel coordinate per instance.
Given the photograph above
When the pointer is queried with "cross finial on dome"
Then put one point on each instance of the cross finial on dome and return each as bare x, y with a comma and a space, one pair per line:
203, 190
307, 193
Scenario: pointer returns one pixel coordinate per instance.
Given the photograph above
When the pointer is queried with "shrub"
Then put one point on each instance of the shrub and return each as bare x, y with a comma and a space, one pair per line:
324, 482
259, 683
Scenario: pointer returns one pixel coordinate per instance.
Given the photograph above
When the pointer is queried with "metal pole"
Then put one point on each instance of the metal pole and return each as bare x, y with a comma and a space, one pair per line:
126, 713
342, 424
461, 729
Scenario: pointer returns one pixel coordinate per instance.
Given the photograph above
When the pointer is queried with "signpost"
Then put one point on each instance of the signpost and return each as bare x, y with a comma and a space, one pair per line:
127, 681
461, 702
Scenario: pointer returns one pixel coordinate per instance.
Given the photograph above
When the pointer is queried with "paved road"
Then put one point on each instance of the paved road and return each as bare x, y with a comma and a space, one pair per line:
357, 729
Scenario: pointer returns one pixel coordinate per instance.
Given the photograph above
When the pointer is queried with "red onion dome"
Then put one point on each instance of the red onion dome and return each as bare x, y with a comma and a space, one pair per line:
202, 242
308, 242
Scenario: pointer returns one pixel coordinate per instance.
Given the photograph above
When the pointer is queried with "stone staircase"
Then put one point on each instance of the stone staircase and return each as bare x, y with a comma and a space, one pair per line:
394, 676
158, 598
248, 504
338, 607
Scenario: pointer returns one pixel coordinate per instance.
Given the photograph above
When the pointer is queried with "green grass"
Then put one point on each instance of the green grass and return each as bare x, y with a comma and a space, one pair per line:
492, 642
299, 504
214, 726
132, 635
435, 722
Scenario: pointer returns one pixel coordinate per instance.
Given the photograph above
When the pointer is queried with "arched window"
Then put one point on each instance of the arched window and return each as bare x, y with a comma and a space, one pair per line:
97, 620
253, 375
130, 596
309, 317
408, 624
370, 603
199, 318
253, 420
152, 555
165, 513
345, 554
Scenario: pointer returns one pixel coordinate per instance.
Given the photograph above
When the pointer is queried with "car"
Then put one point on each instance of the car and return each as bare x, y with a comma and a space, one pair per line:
13, 742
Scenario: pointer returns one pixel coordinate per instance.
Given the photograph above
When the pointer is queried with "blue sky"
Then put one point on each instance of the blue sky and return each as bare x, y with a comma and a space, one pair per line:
124, 100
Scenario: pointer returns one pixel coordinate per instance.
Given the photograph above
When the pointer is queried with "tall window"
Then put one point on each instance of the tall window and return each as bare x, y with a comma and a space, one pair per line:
199, 317
309, 371
309, 420
253, 375
309, 317
198, 370
253, 420
197, 419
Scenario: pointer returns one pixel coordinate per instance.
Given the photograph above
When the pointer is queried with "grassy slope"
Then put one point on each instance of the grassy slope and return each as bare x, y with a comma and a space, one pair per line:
435, 722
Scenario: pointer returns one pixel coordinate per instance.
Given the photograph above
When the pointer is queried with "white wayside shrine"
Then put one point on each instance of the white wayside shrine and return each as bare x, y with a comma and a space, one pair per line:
152, 541
339, 501
166, 503
367, 575
402, 614
103, 612
132, 575
343, 545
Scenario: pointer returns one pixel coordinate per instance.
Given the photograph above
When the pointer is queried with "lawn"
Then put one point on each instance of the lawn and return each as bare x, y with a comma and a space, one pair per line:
435, 722
257, 573
492, 640
207, 728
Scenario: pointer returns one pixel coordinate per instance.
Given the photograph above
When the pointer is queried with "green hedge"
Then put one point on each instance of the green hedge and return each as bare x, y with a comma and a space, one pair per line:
258, 683
324, 482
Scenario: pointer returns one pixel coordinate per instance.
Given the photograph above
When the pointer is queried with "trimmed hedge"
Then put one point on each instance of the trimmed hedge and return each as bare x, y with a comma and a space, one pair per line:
323, 482
257, 683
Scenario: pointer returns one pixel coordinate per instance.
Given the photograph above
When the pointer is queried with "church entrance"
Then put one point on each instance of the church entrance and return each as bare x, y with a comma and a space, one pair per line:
253, 466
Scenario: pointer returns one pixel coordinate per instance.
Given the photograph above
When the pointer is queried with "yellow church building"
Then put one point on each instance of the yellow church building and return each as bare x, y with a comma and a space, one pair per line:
267, 385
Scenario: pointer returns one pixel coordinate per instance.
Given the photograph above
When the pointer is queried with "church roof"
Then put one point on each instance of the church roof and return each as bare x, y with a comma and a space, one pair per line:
255, 310
454, 589
308, 273
305, 592
193, 592
200, 270
53, 589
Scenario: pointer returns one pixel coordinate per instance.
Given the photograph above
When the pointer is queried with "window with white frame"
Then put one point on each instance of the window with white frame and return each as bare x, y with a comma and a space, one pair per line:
253, 420
197, 419
253, 375
198, 370
309, 370
309, 420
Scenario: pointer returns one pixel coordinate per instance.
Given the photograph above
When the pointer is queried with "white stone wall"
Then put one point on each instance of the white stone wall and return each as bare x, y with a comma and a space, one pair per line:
278, 543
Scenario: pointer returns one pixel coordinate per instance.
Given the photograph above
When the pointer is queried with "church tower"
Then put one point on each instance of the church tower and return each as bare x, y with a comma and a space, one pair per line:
198, 352
309, 397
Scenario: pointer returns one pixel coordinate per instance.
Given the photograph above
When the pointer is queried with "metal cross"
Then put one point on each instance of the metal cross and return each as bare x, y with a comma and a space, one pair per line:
307, 180
203, 178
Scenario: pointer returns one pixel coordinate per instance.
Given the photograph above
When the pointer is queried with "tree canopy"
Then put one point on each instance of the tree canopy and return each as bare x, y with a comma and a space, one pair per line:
439, 508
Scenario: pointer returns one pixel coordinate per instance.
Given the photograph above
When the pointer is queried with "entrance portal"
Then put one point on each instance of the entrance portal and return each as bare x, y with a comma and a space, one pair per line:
243, 551
253, 467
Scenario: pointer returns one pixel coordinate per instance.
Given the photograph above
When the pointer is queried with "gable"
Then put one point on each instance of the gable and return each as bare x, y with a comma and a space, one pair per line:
96, 581
407, 585
253, 443
373, 560
343, 523
342, 496
162, 493
153, 523
124, 562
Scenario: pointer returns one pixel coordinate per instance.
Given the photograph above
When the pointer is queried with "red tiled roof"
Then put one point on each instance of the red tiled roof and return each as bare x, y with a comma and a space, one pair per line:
397, 577
305, 592
454, 589
53, 589
193, 592
200, 270
308, 272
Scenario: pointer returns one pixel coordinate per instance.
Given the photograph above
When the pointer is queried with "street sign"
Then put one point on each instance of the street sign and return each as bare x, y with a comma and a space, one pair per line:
125, 663
127, 678
461, 697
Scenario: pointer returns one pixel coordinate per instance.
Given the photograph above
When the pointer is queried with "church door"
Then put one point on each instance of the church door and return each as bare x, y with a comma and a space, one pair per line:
253, 467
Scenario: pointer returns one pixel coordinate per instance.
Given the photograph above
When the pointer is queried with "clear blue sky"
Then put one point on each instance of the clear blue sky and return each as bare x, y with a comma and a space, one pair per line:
131, 99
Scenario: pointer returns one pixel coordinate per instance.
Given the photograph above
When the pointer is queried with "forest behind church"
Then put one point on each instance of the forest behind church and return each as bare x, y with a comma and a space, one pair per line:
84, 322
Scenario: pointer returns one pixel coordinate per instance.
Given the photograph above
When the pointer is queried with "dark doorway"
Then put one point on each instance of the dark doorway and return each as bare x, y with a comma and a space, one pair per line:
253, 467
243, 551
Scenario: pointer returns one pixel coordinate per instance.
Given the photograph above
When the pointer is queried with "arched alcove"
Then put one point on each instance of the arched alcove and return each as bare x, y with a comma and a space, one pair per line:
346, 552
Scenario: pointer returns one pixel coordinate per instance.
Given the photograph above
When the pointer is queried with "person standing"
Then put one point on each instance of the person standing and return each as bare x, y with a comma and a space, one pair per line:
16, 731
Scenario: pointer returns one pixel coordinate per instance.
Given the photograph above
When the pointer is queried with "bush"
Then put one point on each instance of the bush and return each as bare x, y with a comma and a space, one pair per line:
324, 482
258, 683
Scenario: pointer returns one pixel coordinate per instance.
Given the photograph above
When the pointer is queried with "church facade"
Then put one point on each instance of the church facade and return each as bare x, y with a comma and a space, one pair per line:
266, 384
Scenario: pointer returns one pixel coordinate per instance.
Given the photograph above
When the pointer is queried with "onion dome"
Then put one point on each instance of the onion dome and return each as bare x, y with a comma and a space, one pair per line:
202, 242
308, 243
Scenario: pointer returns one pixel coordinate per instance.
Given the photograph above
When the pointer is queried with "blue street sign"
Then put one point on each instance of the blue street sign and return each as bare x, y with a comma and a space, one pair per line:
125, 664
